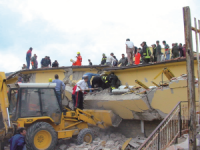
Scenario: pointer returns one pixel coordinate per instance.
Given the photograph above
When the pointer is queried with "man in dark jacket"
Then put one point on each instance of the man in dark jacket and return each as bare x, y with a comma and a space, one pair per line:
103, 60
49, 61
28, 57
55, 64
180, 48
44, 62
17, 142
175, 51
154, 52
158, 51
146, 53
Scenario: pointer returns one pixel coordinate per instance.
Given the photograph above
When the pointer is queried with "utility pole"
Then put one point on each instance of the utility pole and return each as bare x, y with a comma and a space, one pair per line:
190, 78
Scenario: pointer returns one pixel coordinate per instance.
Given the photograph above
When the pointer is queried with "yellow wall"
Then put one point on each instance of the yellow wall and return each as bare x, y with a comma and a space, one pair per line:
150, 72
43, 77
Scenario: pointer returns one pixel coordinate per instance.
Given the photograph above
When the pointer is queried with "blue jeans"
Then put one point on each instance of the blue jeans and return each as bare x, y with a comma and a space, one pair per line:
28, 62
58, 93
167, 56
24, 148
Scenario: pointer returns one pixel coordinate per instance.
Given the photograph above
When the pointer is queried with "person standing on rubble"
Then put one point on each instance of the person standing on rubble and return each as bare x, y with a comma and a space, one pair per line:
123, 61
90, 63
167, 51
158, 51
154, 52
28, 57
90, 75
110, 59
111, 79
137, 57
175, 50
146, 53
129, 51
78, 61
49, 61
55, 64
180, 48
60, 87
44, 62
81, 87
33, 62
103, 60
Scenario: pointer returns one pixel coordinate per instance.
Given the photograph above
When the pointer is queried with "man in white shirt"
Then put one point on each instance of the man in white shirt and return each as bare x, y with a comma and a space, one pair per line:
110, 59
81, 87
129, 51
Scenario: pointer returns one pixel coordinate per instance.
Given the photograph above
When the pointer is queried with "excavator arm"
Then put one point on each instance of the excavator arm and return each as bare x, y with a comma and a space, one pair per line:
6, 128
100, 118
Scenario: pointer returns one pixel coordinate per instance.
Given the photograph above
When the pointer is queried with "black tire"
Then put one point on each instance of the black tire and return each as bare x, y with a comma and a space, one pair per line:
34, 129
83, 133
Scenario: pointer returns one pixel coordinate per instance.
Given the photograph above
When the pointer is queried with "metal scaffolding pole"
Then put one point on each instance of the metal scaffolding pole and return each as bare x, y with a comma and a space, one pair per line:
190, 78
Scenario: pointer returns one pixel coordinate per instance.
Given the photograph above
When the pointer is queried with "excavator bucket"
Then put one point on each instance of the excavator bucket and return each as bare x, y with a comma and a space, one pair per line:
106, 116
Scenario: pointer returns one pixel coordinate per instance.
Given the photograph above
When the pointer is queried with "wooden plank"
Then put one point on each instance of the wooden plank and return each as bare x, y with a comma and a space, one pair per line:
190, 78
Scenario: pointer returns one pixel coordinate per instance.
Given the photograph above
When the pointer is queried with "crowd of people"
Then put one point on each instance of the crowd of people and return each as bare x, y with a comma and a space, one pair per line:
144, 55
134, 54
45, 62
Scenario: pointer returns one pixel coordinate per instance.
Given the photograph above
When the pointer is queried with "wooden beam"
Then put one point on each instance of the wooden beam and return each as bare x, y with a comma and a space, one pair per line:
195, 29
190, 78
197, 50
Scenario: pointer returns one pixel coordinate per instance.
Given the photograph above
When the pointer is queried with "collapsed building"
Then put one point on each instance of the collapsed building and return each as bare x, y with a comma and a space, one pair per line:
146, 96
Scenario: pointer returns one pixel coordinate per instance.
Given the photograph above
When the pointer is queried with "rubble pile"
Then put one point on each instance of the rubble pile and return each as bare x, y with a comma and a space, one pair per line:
104, 141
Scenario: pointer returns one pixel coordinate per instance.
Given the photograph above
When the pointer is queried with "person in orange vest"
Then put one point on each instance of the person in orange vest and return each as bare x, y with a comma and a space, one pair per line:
78, 61
137, 57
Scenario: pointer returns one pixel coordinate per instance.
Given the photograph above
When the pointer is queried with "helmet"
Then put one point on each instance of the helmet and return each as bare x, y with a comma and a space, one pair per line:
50, 80
78, 52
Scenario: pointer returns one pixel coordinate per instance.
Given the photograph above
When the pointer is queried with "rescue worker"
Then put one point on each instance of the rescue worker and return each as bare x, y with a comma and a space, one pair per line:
175, 51
78, 61
44, 62
60, 86
103, 60
33, 62
90, 63
129, 51
123, 61
167, 50
90, 75
137, 57
146, 53
110, 59
55, 64
158, 51
28, 57
154, 52
81, 87
111, 79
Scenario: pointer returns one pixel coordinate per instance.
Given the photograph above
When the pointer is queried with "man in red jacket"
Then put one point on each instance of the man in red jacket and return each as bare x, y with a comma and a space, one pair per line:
137, 57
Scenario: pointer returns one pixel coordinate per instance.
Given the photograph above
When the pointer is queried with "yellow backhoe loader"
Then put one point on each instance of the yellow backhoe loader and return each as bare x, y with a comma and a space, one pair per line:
35, 106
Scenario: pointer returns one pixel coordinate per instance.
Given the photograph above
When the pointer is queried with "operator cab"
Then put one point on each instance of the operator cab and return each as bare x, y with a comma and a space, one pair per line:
34, 100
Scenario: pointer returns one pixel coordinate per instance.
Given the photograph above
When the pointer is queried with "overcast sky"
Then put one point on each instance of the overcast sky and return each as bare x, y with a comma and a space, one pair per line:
61, 28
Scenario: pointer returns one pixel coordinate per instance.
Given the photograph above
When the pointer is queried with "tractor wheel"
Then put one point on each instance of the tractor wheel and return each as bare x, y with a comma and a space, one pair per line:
41, 136
85, 135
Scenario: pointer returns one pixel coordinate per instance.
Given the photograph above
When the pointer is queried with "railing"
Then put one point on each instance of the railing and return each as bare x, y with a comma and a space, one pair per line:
173, 126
